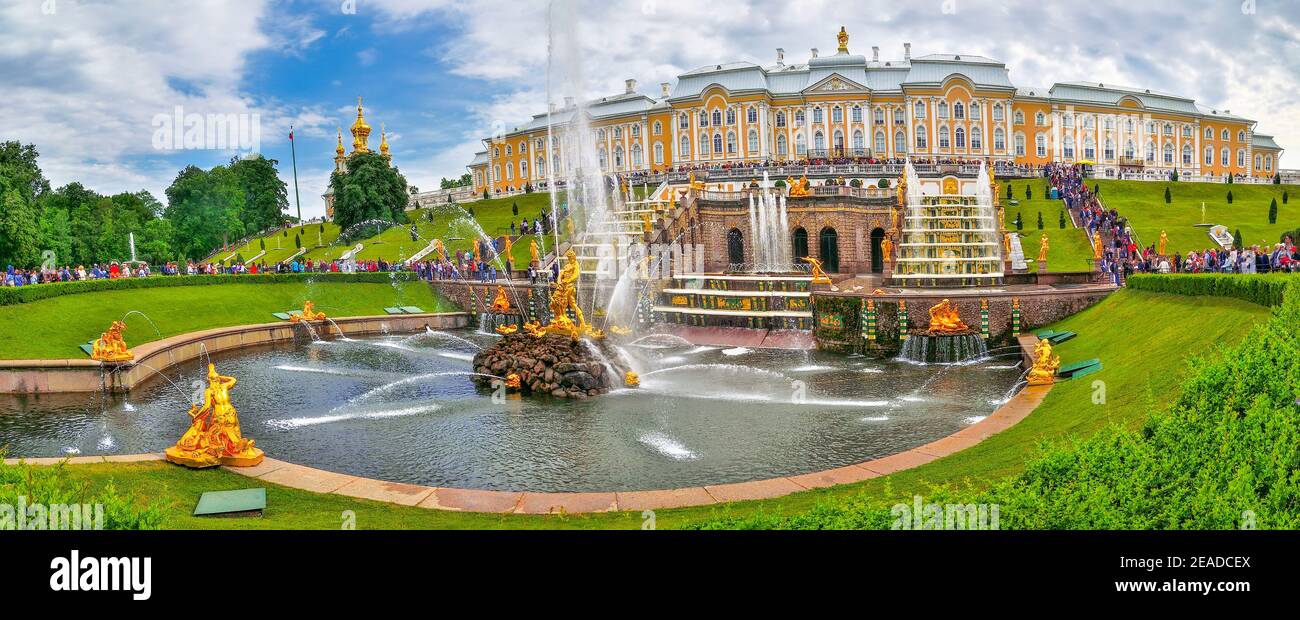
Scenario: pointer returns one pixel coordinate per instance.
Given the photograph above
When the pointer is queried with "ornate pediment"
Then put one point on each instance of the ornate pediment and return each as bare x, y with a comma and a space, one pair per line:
836, 83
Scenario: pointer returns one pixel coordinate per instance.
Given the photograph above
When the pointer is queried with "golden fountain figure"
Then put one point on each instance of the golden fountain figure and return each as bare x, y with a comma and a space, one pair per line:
565, 298
631, 379
309, 313
819, 276
1045, 365
512, 381
111, 347
1097, 246
501, 303
945, 320
695, 185
214, 437
532, 250
799, 188
1164, 242
887, 249
1043, 246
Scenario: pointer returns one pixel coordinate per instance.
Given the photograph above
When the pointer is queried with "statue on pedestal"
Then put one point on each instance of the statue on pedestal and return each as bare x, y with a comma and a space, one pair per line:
1164, 242
214, 436
111, 347
1046, 364
944, 318
1043, 246
308, 313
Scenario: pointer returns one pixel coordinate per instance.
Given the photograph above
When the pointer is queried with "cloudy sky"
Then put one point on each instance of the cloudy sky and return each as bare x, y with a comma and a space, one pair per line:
88, 81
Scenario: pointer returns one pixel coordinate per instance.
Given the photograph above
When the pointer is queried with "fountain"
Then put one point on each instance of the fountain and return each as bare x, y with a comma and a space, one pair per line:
949, 239
111, 347
768, 223
947, 340
309, 313
214, 437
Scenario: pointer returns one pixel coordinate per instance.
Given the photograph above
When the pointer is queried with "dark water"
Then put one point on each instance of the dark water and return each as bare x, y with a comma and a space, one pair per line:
404, 409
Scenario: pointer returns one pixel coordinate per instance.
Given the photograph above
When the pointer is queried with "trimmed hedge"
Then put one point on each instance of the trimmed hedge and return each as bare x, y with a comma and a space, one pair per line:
10, 296
1262, 289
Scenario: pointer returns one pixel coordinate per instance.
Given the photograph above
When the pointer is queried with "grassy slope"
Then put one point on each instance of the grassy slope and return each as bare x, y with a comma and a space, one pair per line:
53, 328
1069, 248
1144, 204
1138, 374
280, 246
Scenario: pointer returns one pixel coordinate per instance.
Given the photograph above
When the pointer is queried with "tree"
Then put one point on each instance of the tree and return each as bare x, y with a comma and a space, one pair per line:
1029, 192
19, 228
1272, 212
205, 209
1062, 219
297, 241
1011, 195
369, 189
154, 243
56, 235
1229, 196
262, 242
266, 197
1237, 240
1020, 222
1169, 197
514, 208
1040, 220
1285, 198
1277, 178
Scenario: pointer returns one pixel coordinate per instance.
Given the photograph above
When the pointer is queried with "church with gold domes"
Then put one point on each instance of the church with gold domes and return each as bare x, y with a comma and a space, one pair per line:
360, 144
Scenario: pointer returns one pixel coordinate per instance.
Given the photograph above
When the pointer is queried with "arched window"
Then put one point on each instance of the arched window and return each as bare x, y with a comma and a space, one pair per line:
658, 129
1168, 154
918, 110
637, 159
1268, 163
659, 153
717, 144
958, 111
961, 138
704, 118
541, 166
1209, 133
1187, 154
731, 143
1241, 158
1241, 136
900, 142
751, 115
523, 169
510, 150
1151, 152
717, 117
731, 116
782, 146
859, 142
837, 115
1209, 155
819, 142
704, 145
879, 116
684, 148
998, 113
735, 247
1020, 145
999, 139
857, 114
880, 142
920, 137
837, 140
1225, 156
752, 142
798, 118
618, 157
1259, 161
1019, 118
684, 121
976, 138
800, 144
945, 137
942, 109
1109, 153
510, 173
975, 113
1040, 119
817, 116
1067, 147
799, 247
1226, 136
1040, 145
1089, 148
636, 131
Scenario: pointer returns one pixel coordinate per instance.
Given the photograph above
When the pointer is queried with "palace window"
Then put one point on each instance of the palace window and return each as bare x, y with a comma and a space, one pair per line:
704, 145
958, 111
1040, 119
496, 173
837, 140
1209, 156
900, 142
1019, 118
920, 137
782, 147
879, 116
1226, 135
751, 115
658, 129
1241, 158
976, 139
1151, 128
496, 153
523, 169
717, 117
753, 141
961, 138
1187, 131
684, 121
731, 143
659, 153
1151, 152
637, 159
900, 117
798, 118
510, 173
1169, 129
818, 117
1020, 145
1089, 148
717, 144
704, 119
1259, 161
1225, 156
1168, 154
1128, 124
837, 115
1268, 163
1109, 153
918, 111
1068, 147
800, 145
541, 167
975, 112
1088, 122
945, 137
780, 119
881, 147
731, 116
941, 111
999, 139
998, 113
1109, 124
618, 133
523, 146
541, 146
1067, 120
1187, 154
684, 148
618, 157
857, 114
1040, 145
859, 141
1241, 136
1209, 133
509, 150
819, 142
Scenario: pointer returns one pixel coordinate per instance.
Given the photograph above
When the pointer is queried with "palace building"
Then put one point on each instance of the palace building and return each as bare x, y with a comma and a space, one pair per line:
847, 106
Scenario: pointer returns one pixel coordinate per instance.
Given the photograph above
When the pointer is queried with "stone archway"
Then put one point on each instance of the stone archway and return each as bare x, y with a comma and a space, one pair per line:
830, 250
799, 245
735, 248
877, 252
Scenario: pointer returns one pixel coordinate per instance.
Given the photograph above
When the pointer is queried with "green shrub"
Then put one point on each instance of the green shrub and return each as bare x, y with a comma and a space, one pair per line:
1262, 289
884, 184
1040, 220
48, 486
1272, 212
10, 296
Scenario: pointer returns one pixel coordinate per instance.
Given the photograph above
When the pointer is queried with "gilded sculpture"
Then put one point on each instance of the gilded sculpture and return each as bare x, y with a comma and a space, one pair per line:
944, 319
308, 313
214, 436
818, 274
1097, 246
1043, 246
1046, 364
501, 303
111, 347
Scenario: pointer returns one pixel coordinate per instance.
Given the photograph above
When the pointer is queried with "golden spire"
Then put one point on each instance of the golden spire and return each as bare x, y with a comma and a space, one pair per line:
360, 132
339, 149
844, 40
383, 143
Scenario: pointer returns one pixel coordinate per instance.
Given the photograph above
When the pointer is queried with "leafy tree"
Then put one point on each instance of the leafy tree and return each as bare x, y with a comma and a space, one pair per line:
370, 189
1169, 197
297, 242
1237, 239
1029, 192
1040, 220
262, 242
19, 229
1020, 222
1062, 219
266, 197
1011, 195
206, 209
884, 184
1229, 196
155, 242
1272, 212
56, 235
514, 208
1285, 198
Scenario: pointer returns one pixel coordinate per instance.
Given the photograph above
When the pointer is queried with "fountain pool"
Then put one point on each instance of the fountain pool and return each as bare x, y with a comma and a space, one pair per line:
403, 409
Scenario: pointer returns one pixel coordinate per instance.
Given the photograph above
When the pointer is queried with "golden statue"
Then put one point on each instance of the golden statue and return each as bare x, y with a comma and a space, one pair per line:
308, 313
532, 250
844, 40
631, 379
478, 255
1097, 246
565, 298
799, 188
509, 249
887, 249
501, 304
902, 191
819, 276
568, 226
439, 250
646, 226
512, 381
944, 319
1042, 249
619, 330
534, 329
111, 347
1006, 244
1164, 242
695, 185
1046, 364
506, 330
214, 436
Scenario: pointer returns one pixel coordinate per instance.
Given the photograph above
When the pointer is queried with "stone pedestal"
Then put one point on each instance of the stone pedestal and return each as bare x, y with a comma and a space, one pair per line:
1042, 267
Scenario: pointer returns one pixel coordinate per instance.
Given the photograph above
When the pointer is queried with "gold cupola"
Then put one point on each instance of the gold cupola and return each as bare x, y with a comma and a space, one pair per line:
383, 143
340, 158
844, 40
360, 132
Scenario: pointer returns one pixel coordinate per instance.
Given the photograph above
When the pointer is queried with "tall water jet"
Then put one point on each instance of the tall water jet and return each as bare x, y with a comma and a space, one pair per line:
768, 220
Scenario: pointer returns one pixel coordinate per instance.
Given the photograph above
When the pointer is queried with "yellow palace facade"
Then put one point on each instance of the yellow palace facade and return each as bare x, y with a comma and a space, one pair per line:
845, 106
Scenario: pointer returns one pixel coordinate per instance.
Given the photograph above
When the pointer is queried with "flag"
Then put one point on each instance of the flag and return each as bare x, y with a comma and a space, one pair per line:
291, 134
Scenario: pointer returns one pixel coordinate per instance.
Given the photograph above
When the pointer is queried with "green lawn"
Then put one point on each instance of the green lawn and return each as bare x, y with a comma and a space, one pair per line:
53, 328
280, 246
1143, 339
1143, 203
1069, 249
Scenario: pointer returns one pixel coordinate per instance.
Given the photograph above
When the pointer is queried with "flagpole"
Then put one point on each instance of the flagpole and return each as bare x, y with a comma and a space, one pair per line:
294, 151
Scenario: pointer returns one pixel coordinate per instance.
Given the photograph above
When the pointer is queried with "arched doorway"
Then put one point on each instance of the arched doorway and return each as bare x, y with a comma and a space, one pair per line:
800, 245
830, 250
735, 248
877, 252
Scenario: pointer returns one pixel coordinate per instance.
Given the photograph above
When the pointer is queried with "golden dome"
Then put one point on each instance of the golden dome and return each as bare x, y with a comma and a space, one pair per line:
360, 132
383, 140
339, 149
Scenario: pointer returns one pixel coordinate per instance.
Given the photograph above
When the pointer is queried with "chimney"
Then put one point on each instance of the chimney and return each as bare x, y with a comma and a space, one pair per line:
814, 52
568, 102
663, 88
552, 107
907, 51
875, 53
631, 86
780, 56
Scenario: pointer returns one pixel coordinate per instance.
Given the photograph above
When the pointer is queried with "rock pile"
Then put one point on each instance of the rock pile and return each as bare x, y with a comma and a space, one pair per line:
556, 365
